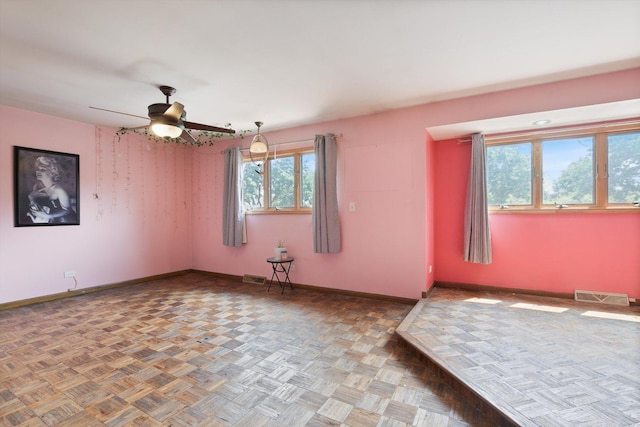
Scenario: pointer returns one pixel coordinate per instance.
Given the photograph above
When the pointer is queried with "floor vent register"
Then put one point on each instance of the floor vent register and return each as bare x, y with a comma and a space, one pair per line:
601, 297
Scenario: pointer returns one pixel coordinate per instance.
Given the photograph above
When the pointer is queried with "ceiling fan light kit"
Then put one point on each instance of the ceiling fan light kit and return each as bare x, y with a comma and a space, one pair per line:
166, 130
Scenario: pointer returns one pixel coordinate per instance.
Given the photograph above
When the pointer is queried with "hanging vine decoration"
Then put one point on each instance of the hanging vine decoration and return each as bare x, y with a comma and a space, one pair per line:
98, 191
129, 178
201, 138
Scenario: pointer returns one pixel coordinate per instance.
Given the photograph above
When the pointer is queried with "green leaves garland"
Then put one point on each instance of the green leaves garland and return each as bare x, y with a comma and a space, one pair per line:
202, 138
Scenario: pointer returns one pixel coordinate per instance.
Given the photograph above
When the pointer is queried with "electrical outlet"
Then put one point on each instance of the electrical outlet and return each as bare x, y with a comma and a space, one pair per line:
69, 273
352, 206
293, 267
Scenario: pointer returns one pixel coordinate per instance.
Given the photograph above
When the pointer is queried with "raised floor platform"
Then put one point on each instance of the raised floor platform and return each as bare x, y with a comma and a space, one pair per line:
533, 361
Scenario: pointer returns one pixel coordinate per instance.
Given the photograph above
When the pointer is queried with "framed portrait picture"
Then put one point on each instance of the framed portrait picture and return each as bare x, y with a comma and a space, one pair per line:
47, 188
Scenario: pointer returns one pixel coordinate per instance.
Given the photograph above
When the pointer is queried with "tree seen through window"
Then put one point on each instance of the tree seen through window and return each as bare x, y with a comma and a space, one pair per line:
593, 170
282, 184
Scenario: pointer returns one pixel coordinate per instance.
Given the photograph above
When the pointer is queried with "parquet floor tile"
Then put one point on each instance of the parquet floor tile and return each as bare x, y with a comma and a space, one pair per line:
196, 350
539, 361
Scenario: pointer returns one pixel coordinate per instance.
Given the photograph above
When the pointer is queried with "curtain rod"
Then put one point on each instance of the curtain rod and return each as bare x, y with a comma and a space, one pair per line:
300, 141
569, 128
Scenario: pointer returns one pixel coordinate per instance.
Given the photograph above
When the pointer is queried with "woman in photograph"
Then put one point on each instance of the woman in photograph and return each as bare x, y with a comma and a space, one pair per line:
48, 201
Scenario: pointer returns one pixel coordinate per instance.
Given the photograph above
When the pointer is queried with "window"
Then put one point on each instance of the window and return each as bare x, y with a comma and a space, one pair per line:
307, 174
284, 184
597, 168
568, 171
623, 168
509, 174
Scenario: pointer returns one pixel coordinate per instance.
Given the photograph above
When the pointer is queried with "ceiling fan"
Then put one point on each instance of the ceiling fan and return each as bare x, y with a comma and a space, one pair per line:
169, 120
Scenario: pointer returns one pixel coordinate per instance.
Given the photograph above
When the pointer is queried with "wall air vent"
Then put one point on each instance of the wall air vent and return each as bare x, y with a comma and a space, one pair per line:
601, 297
255, 280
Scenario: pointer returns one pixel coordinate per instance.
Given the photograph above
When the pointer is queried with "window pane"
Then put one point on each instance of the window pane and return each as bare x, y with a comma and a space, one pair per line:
307, 172
509, 174
281, 187
252, 186
623, 166
567, 171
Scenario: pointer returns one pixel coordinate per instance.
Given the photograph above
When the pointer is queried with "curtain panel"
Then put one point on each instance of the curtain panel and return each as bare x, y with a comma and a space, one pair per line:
477, 234
325, 218
232, 212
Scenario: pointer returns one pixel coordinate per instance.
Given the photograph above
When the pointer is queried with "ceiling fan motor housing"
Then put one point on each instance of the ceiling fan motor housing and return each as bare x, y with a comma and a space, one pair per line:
157, 111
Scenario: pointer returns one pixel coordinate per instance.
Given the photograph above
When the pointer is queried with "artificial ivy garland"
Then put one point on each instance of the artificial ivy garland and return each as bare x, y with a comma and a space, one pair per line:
201, 138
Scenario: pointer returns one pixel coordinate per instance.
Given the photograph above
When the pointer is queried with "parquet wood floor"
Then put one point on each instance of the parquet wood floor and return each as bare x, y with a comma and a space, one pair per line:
196, 350
539, 361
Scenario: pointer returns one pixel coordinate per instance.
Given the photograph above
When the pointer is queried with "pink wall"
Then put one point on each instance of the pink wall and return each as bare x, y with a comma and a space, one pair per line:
381, 169
430, 210
549, 252
138, 227
579, 92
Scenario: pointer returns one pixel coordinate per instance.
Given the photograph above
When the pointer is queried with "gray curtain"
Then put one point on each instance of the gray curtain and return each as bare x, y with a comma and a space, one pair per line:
326, 222
477, 235
232, 212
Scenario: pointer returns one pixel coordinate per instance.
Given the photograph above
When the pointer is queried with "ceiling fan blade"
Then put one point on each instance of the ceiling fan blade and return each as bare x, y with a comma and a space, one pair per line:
175, 111
187, 137
119, 112
138, 127
198, 126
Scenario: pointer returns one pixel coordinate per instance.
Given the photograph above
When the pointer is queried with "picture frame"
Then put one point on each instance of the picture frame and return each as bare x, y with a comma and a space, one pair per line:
46, 188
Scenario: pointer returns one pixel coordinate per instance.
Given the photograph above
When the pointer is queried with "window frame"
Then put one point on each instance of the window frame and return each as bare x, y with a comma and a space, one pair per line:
600, 135
297, 154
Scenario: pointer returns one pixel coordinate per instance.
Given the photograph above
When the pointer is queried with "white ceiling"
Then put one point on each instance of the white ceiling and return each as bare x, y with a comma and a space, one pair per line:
294, 62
